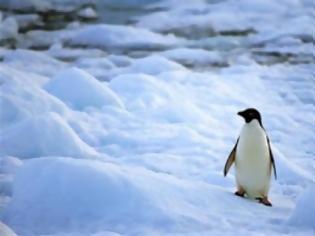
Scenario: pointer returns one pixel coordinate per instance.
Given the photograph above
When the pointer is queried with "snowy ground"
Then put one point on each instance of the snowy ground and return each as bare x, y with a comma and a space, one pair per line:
116, 117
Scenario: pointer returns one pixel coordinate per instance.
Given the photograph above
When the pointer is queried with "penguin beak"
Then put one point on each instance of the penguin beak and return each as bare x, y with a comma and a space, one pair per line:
241, 113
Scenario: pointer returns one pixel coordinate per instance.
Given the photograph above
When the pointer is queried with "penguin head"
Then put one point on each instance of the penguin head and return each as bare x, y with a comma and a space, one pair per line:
250, 114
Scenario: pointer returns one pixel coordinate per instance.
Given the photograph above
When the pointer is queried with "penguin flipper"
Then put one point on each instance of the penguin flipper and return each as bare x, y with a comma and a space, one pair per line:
230, 160
272, 160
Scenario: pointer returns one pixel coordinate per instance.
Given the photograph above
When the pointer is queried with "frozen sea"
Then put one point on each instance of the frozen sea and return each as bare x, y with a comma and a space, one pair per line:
117, 117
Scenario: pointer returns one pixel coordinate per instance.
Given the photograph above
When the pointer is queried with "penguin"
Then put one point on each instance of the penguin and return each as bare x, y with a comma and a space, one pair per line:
253, 159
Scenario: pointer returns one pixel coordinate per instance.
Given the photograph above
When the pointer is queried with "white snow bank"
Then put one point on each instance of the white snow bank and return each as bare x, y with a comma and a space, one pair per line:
154, 99
32, 61
303, 215
128, 4
152, 65
8, 28
44, 135
27, 20
9, 164
5, 230
288, 172
88, 196
267, 18
79, 90
133, 87
69, 54
116, 36
189, 56
99, 67
8, 167
83, 194
88, 13
21, 96
42, 6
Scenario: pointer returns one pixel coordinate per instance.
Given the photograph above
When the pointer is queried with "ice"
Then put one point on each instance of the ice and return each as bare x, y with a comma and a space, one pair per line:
50, 135
5, 230
264, 17
120, 37
8, 29
44, 6
152, 65
79, 90
9, 164
303, 214
99, 188
71, 54
88, 13
28, 60
108, 193
121, 124
191, 57
8, 167
21, 97
25, 21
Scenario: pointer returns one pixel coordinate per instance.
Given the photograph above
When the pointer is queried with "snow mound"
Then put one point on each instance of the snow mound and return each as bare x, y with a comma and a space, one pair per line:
89, 196
303, 215
28, 60
20, 103
153, 65
22, 97
44, 6
43, 135
288, 172
84, 194
189, 56
8, 29
5, 230
114, 36
156, 99
132, 87
79, 90
8, 167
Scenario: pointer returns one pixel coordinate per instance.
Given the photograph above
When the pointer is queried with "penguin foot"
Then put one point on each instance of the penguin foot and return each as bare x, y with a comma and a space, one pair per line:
264, 200
240, 193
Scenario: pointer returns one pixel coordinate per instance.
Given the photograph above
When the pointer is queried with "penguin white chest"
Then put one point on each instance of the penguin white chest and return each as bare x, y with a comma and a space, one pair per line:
252, 161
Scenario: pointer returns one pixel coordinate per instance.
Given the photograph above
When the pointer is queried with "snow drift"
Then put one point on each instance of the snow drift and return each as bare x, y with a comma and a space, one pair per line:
79, 90
44, 135
303, 214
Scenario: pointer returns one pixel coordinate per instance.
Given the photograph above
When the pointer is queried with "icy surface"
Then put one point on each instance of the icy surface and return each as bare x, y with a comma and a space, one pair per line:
116, 117
79, 90
5, 230
303, 214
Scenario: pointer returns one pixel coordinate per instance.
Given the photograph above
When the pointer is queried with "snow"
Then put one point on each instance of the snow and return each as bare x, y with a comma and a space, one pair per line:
120, 37
303, 214
47, 132
109, 193
8, 28
153, 65
44, 6
122, 126
5, 230
190, 57
28, 60
9, 164
79, 90
27, 20
88, 13
8, 167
